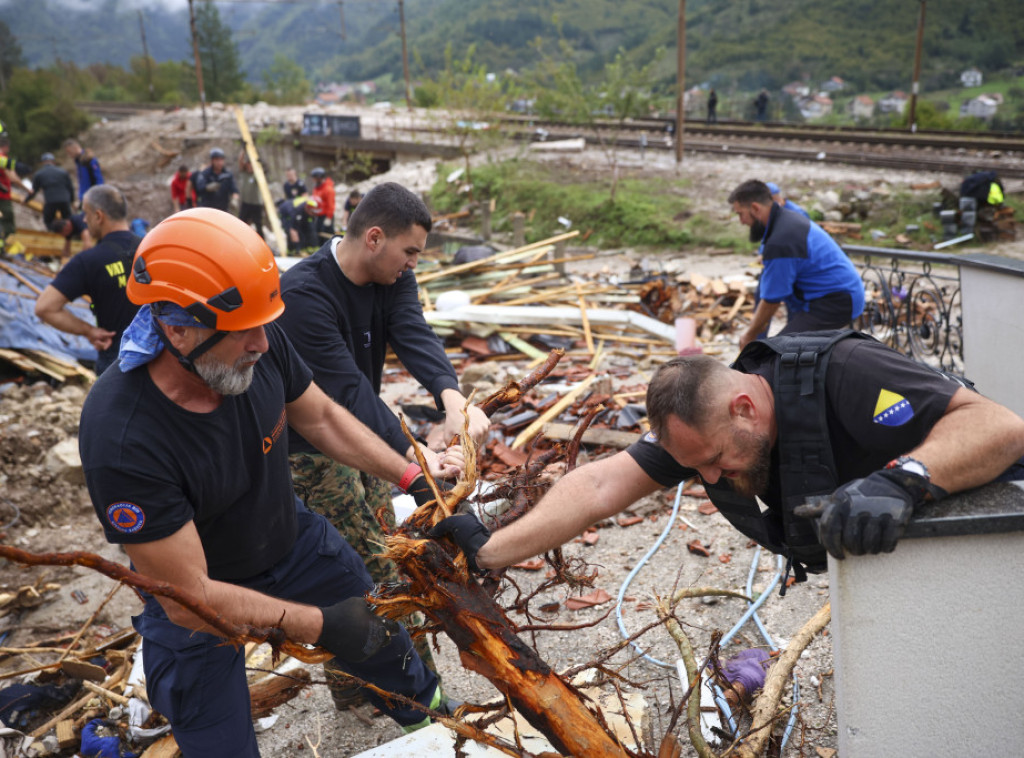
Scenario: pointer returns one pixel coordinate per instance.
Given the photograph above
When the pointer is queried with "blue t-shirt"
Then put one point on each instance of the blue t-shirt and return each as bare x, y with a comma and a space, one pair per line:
803, 263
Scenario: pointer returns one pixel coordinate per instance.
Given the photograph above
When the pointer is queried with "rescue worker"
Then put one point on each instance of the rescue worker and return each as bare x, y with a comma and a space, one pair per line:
89, 172
55, 184
215, 184
875, 432
101, 272
347, 304
185, 456
323, 192
803, 267
183, 194
9, 166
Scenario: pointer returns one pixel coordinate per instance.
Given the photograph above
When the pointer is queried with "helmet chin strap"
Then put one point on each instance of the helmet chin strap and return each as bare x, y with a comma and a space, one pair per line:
188, 361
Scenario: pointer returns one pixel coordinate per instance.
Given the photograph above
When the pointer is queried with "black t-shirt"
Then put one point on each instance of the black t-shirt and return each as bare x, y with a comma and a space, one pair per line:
151, 466
101, 272
293, 189
343, 331
881, 405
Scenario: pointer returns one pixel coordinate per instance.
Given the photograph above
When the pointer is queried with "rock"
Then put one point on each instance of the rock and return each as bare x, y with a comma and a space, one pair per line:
63, 461
833, 215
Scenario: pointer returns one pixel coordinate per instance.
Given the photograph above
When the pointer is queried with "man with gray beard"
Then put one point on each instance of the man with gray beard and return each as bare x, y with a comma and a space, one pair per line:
832, 414
184, 450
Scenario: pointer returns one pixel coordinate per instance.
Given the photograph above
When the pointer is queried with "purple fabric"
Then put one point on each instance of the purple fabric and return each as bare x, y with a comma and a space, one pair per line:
747, 667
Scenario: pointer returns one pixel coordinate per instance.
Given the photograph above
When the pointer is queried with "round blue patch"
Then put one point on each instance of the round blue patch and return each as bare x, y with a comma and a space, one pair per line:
126, 517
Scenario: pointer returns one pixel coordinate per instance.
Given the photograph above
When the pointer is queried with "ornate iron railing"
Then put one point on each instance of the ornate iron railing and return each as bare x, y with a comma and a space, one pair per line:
912, 301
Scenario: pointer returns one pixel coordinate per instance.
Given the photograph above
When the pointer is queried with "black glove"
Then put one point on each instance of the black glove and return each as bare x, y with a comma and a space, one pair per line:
421, 492
467, 532
353, 632
868, 516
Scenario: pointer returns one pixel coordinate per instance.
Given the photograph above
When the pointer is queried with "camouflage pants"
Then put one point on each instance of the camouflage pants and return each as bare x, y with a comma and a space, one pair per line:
350, 500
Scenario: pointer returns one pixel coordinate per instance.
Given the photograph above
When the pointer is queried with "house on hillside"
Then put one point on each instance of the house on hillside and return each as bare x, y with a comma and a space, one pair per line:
818, 106
982, 106
894, 102
971, 77
797, 90
835, 84
861, 107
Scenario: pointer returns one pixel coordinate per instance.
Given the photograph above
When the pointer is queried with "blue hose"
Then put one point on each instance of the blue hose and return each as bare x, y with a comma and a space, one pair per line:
751, 612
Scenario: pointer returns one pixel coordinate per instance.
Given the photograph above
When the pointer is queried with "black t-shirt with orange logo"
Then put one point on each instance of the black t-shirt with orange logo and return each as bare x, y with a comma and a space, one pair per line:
151, 466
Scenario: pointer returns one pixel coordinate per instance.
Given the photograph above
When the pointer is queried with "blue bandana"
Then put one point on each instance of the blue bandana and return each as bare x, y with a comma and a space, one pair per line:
140, 342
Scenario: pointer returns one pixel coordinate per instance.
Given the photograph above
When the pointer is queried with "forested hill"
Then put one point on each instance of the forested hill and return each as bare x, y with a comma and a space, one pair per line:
730, 43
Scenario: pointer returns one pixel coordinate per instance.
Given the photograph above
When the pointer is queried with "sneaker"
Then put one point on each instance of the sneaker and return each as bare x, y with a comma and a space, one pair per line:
440, 703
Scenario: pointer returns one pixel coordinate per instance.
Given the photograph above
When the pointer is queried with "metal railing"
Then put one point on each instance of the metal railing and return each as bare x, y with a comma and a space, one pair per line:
912, 300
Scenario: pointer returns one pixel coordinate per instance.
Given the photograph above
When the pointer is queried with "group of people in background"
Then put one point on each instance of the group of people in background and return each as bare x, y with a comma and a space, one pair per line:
307, 215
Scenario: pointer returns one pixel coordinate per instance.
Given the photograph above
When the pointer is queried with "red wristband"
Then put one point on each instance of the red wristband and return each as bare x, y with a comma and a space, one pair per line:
411, 472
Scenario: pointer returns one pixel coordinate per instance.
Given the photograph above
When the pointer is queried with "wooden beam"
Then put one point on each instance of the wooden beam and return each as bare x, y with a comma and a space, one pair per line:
431, 275
563, 402
261, 181
610, 437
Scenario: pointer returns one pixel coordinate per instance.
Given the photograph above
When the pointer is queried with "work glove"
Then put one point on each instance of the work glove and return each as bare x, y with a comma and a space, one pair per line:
353, 632
421, 492
868, 516
467, 532
212, 186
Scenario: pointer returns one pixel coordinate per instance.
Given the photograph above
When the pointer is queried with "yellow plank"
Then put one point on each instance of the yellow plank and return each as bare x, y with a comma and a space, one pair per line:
261, 180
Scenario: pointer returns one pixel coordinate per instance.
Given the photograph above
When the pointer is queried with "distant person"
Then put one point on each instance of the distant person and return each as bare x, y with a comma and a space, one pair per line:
101, 272
712, 107
293, 186
761, 105
215, 184
803, 267
183, 194
779, 199
9, 167
323, 191
72, 229
251, 210
350, 205
55, 184
89, 173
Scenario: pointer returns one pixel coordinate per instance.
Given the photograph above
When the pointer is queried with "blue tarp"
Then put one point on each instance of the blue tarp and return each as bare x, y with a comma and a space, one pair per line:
21, 330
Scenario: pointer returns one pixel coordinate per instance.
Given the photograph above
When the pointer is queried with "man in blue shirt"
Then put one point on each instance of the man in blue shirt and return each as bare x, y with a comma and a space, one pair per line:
803, 267
785, 202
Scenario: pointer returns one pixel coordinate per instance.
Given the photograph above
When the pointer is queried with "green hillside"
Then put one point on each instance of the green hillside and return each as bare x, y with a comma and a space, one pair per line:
731, 44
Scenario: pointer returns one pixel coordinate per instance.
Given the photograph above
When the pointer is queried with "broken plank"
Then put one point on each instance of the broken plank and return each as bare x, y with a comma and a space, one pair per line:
610, 437
506, 255
522, 345
563, 402
165, 747
261, 180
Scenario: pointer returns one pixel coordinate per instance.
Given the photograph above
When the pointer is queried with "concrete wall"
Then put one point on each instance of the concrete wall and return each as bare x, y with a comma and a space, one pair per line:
993, 331
927, 645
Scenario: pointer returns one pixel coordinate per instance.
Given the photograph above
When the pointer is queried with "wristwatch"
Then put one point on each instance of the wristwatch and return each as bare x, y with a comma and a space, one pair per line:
910, 465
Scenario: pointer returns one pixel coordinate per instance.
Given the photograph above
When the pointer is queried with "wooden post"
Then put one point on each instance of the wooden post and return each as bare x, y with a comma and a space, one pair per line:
912, 116
680, 79
199, 67
405, 55
485, 219
261, 180
518, 229
558, 255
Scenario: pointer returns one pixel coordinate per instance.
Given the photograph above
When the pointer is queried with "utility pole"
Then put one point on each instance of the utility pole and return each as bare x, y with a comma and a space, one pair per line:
680, 79
341, 13
145, 54
405, 55
199, 66
912, 120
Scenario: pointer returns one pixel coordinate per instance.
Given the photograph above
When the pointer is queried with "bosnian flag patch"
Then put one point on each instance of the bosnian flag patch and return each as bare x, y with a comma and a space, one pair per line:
126, 517
892, 409
651, 437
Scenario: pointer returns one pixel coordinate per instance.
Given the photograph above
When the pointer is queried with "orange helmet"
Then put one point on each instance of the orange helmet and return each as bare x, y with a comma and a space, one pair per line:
211, 264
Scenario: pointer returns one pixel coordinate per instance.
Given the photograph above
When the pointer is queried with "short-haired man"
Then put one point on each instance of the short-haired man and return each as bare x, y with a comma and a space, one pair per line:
834, 414
101, 272
186, 462
89, 173
215, 184
55, 184
73, 228
323, 191
183, 194
803, 267
347, 303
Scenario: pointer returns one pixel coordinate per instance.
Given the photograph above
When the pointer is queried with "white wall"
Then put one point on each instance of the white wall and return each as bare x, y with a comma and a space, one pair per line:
993, 332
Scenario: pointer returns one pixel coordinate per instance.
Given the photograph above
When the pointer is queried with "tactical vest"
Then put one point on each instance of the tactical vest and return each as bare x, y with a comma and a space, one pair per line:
806, 466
